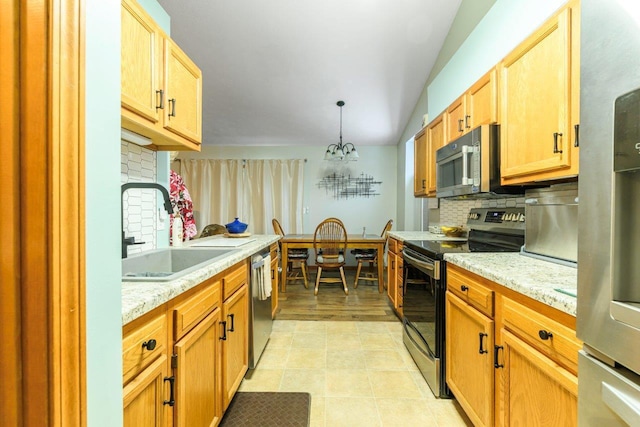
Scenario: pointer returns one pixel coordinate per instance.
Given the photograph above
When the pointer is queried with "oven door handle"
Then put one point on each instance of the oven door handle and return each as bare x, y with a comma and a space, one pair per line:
433, 266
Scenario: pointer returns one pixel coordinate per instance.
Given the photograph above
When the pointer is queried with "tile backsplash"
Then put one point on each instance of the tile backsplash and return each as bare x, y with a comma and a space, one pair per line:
140, 206
454, 212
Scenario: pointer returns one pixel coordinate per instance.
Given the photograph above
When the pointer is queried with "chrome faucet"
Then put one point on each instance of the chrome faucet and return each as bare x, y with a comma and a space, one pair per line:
126, 241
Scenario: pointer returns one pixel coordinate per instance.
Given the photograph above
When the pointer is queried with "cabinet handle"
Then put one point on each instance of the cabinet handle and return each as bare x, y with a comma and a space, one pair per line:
544, 335
224, 330
172, 381
273, 274
460, 121
464, 288
232, 328
480, 349
161, 93
149, 345
497, 348
424, 184
555, 142
172, 101
393, 265
576, 142
466, 121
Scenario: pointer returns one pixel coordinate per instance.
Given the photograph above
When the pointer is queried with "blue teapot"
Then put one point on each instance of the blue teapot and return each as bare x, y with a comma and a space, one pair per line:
236, 227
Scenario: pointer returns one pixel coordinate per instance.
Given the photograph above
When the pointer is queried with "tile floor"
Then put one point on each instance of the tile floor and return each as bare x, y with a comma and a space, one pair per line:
358, 374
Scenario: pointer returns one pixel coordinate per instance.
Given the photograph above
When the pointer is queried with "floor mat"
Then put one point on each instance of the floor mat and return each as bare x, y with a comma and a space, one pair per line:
265, 409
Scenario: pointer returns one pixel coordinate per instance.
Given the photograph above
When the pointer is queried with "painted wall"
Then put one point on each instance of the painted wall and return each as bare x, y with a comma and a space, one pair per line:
372, 213
102, 135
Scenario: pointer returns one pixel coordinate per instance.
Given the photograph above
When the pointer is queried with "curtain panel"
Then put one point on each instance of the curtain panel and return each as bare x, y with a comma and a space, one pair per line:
255, 191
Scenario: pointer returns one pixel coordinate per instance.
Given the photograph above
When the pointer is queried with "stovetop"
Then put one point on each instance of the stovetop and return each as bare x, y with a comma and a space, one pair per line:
491, 230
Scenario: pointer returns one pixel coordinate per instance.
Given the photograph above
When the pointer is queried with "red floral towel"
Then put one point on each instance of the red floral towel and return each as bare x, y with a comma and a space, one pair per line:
182, 205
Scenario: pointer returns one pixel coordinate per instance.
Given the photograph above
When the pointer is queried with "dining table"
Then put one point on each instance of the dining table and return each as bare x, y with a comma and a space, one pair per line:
354, 241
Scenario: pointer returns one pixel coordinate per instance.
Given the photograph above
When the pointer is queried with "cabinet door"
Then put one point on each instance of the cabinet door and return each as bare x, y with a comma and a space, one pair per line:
535, 128
482, 102
535, 388
455, 119
144, 397
274, 283
436, 140
197, 375
140, 62
392, 278
183, 82
420, 160
235, 349
469, 359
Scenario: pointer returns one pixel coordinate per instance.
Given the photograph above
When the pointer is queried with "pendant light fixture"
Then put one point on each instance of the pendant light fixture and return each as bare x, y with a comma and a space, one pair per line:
341, 152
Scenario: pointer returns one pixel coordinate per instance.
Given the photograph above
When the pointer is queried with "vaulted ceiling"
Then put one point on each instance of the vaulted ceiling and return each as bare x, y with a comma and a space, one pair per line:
274, 70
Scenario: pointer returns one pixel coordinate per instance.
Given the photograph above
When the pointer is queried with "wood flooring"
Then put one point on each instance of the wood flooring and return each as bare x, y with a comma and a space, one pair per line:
362, 304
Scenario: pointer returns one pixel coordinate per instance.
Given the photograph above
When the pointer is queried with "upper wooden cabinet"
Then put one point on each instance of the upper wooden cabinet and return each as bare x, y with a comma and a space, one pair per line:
477, 106
420, 160
539, 108
161, 87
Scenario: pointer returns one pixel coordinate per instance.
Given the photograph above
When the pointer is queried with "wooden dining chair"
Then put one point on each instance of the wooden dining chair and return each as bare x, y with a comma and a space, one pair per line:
370, 256
295, 257
329, 245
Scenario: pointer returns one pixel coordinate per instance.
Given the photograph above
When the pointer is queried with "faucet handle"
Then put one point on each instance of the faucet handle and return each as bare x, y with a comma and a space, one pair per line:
132, 241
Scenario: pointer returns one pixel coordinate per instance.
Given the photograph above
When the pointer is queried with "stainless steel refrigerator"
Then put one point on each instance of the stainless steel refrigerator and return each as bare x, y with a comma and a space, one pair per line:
608, 319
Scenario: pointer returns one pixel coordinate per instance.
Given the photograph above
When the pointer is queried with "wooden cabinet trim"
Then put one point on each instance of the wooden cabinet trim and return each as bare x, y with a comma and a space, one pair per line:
234, 278
190, 312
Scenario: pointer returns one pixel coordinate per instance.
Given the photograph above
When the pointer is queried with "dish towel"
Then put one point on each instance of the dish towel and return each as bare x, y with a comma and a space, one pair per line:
264, 291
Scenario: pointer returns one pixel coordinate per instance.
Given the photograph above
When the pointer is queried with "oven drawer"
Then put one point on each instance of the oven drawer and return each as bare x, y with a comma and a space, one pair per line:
468, 288
550, 337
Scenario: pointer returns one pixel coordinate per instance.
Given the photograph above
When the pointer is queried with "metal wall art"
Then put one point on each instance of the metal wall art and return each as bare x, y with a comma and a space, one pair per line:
345, 186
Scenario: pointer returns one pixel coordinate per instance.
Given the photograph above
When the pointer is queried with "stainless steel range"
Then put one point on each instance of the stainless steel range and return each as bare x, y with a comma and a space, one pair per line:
424, 286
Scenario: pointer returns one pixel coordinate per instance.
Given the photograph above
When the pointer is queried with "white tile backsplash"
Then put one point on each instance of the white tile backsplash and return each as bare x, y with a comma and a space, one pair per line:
454, 212
139, 164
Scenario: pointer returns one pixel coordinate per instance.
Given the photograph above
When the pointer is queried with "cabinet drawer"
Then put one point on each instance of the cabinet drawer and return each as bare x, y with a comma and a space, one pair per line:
135, 357
188, 313
561, 346
235, 277
470, 290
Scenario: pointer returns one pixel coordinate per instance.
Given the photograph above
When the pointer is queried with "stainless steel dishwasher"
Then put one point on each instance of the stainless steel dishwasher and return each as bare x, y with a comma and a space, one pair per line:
260, 320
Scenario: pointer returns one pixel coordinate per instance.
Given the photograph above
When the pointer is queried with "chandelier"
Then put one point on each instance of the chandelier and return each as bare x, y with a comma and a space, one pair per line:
341, 152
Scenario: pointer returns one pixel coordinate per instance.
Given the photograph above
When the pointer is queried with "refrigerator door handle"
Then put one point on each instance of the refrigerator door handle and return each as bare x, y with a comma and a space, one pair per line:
625, 406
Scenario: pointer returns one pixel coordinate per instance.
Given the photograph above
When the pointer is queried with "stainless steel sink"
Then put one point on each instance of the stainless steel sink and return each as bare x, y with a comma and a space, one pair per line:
163, 265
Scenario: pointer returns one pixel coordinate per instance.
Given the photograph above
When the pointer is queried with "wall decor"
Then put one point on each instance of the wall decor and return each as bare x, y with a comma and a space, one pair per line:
345, 186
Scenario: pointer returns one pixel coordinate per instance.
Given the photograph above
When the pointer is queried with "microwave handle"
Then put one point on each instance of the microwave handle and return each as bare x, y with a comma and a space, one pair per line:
466, 150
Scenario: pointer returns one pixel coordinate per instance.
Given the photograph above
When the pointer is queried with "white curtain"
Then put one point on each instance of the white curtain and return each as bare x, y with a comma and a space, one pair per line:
255, 191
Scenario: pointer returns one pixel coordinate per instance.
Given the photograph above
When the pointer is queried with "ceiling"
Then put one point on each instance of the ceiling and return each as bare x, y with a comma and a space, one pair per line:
274, 70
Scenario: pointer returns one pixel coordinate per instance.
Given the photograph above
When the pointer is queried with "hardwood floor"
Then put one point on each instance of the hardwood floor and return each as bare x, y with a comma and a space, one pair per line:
362, 304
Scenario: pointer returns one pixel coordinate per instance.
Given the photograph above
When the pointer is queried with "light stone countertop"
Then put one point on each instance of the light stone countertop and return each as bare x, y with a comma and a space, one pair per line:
532, 277
139, 298
421, 235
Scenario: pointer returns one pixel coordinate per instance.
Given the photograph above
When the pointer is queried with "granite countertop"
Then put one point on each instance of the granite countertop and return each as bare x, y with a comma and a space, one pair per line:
139, 298
421, 235
532, 277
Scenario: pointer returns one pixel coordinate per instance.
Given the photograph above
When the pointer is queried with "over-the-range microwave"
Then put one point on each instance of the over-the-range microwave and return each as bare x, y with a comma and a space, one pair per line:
470, 166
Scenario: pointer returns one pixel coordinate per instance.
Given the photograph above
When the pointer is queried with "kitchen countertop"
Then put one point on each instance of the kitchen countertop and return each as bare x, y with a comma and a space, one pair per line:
139, 298
420, 235
532, 277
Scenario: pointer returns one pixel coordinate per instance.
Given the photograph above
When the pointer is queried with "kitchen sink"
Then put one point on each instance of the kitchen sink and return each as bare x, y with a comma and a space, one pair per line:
163, 265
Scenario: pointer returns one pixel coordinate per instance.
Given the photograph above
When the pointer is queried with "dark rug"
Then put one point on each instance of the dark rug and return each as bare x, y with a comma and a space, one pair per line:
266, 409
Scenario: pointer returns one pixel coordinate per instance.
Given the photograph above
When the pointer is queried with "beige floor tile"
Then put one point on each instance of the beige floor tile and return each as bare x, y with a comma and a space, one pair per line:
307, 358
262, 380
393, 384
371, 341
422, 385
342, 327
284, 325
273, 358
345, 359
448, 413
372, 328
394, 328
280, 339
309, 340
306, 380
351, 412
385, 360
312, 326
343, 342
409, 363
405, 412
348, 383
317, 414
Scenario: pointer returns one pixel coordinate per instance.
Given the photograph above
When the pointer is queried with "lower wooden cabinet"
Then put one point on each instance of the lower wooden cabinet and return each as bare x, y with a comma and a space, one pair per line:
235, 345
144, 397
394, 275
196, 367
275, 277
469, 356
511, 360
